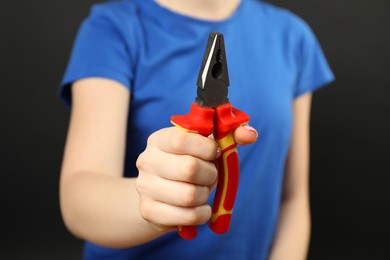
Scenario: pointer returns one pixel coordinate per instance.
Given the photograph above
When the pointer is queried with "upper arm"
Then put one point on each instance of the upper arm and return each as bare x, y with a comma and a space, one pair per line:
296, 180
97, 131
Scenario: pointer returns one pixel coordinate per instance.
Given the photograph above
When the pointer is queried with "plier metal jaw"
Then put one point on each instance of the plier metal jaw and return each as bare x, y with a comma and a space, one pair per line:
212, 113
213, 78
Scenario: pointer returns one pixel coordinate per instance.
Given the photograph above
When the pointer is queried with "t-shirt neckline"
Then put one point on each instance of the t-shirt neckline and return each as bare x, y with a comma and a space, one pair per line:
160, 12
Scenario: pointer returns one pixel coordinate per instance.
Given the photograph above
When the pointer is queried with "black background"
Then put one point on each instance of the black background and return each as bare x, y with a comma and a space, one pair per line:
350, 193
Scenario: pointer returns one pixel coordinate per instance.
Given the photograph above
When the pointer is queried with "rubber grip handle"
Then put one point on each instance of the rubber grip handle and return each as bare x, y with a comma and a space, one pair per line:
227, 119
187, 232
227, 185
202, 121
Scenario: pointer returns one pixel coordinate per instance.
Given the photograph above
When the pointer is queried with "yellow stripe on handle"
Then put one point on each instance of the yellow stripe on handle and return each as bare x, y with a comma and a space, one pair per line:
227, 185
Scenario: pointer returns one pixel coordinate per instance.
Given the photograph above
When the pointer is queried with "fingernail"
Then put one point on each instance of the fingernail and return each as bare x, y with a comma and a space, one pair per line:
218, 153
249, 128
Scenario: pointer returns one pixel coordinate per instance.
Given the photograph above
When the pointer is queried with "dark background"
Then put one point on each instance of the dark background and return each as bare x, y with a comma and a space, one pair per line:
350, 128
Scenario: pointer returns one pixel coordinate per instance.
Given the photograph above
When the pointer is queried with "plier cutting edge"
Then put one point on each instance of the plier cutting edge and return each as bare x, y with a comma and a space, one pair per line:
213, 113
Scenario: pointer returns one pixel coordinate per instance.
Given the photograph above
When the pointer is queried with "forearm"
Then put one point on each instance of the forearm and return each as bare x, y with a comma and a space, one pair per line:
104, 210
293, 231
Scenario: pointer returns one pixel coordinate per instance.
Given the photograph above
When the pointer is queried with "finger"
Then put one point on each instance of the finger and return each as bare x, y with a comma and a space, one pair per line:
174, 140
187, 168
164, 215
175, 167
245, 135
176, 193
161, 228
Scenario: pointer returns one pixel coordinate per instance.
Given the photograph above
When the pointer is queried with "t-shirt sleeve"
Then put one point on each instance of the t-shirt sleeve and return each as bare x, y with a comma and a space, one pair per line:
99, 51
313, 68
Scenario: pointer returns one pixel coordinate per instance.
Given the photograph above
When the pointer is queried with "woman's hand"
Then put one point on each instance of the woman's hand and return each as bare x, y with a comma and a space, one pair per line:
177, 174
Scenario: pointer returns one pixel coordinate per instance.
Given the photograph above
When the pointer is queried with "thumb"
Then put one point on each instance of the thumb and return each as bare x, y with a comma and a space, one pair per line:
245, 134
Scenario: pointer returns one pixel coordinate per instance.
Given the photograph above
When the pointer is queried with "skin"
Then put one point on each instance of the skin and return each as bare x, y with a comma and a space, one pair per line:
202, 9
176, 170
293, 232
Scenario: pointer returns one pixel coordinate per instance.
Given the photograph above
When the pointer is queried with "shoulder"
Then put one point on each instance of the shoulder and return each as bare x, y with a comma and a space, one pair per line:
120, 17
115, 22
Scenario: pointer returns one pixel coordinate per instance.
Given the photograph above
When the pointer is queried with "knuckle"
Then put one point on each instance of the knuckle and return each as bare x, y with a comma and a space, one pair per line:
190, 168
146, 210
207, 214
213, 174
189, 197
193, 217
151, 138
141, 163
204, 194
140, 185
212, 149
177, 140
199, 215
148, 160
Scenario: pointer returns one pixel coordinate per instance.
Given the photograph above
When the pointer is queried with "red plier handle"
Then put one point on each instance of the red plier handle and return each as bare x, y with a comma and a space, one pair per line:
222, 120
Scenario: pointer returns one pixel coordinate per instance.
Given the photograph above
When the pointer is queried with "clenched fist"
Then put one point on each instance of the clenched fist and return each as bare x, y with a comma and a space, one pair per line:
176, 175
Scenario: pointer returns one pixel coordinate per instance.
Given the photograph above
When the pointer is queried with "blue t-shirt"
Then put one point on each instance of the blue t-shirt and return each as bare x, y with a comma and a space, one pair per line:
273, 57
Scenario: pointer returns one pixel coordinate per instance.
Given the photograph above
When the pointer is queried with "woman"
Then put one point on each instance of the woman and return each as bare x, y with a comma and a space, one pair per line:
129, 179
